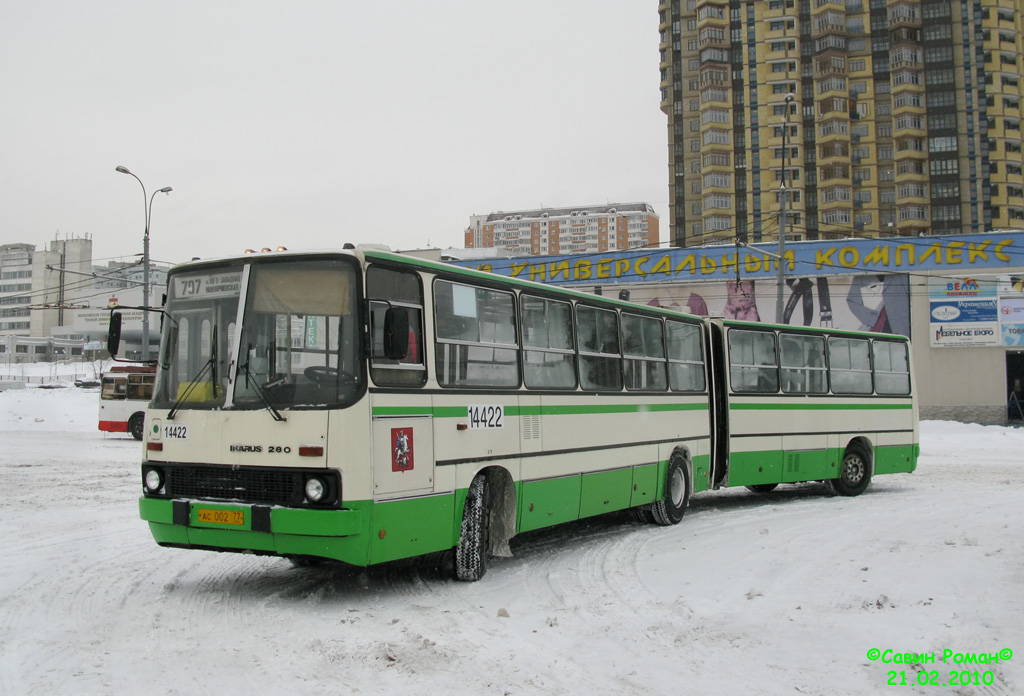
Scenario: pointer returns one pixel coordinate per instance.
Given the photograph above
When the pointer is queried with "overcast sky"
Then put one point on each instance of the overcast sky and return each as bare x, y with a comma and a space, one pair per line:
314, 123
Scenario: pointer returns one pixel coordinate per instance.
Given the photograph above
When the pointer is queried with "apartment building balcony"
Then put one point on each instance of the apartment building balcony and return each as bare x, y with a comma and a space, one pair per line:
713, 36
822, 6
904, 35
829, 22
713, 93
834, 173
831, 61
834, 152
904, 14
714, 75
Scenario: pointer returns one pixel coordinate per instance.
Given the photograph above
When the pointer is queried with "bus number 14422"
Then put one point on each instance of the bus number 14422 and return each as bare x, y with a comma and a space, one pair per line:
486, 416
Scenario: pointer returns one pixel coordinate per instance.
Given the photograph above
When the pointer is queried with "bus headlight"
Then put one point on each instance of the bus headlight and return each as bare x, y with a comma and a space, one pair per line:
153, 479
316, 489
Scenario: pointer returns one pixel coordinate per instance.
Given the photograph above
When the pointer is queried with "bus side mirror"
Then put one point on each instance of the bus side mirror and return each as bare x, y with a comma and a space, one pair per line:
396, 333
114, 334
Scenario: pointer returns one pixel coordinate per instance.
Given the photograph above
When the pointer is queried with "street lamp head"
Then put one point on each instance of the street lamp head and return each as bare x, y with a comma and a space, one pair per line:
790, 97
123, 170
165, 189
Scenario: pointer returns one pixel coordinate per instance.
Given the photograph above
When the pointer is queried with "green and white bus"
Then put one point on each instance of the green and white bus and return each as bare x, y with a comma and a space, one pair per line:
365, 406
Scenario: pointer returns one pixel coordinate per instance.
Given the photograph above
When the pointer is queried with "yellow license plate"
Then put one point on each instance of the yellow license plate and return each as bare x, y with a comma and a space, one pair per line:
236, 517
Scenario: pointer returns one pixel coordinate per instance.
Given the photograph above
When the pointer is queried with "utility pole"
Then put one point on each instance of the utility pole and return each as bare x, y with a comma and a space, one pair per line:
780, 271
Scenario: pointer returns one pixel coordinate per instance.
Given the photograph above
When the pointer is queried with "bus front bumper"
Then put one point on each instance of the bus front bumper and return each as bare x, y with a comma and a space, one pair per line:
336, 534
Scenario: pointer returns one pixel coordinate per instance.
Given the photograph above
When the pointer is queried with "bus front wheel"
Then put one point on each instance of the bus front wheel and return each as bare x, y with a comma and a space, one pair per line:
135, 425
669, 510
854, 474
474, 541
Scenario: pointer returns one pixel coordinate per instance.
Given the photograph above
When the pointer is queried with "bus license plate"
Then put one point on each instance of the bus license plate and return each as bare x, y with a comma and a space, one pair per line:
236, 517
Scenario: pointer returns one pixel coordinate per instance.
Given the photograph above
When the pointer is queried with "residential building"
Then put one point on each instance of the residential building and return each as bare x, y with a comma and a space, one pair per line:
877, 117
583, 229
53, 301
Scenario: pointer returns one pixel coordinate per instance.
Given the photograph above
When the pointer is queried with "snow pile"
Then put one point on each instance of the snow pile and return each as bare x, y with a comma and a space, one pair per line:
67, 409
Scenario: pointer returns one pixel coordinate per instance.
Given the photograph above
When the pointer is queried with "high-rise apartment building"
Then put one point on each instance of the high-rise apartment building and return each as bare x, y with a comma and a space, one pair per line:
585, 229
881, 117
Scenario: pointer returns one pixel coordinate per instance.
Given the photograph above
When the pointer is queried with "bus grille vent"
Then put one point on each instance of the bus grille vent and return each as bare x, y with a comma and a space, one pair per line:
530, 426
247, 485
792, 463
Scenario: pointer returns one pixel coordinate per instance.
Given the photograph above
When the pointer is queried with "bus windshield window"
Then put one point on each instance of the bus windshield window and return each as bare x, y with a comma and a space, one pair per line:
298, 344
198, 326
113, 388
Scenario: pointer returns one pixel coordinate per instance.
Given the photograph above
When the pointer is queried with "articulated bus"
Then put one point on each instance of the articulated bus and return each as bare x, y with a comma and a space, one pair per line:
364, 406
125, 392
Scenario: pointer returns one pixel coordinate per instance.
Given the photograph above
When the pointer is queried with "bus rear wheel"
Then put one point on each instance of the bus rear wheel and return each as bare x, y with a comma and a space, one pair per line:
474, 540
669, 510
854, 474
135, 424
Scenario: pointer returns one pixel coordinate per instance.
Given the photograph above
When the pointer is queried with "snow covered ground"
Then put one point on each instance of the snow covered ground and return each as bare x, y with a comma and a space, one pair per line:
783, 593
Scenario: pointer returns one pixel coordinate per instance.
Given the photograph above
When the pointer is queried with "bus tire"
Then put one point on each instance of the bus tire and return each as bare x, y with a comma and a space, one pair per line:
669, 510
854, 474
136, 423
642, 514
474, 539
762, 487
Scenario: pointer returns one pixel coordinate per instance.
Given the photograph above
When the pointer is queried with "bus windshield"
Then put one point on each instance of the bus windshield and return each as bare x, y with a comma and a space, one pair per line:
199, 324
297, 345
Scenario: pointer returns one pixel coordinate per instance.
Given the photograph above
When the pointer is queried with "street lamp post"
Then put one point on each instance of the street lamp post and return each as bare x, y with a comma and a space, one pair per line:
147, 208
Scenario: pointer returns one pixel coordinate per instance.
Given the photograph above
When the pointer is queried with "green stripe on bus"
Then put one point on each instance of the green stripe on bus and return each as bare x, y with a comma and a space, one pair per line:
514, 411
820, 407
617, 408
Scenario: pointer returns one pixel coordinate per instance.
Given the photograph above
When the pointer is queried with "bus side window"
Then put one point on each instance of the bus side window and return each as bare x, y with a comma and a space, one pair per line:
752, 363
892, 368
685, 356
644, 353
549, 361
849, 365
599, 357
803, 364
475, 331
385, 289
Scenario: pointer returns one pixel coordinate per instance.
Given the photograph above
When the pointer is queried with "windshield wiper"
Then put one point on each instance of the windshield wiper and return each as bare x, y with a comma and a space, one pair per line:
260, 392
191, 387
209, 366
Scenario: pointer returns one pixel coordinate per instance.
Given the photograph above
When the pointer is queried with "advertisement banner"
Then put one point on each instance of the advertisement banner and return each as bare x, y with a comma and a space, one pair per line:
964, 312
964, 335
967, 311
955, 254
1011, 310
1011, 314
1013, 334
858, 303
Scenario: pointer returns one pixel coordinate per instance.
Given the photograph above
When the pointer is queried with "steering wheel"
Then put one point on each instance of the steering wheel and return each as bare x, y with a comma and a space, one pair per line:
322, 375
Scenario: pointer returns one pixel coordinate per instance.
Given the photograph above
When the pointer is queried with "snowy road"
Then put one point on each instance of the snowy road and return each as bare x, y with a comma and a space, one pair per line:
777, 594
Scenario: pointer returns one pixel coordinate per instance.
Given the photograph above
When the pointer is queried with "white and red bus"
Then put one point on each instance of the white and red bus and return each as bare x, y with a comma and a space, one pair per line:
125, 393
